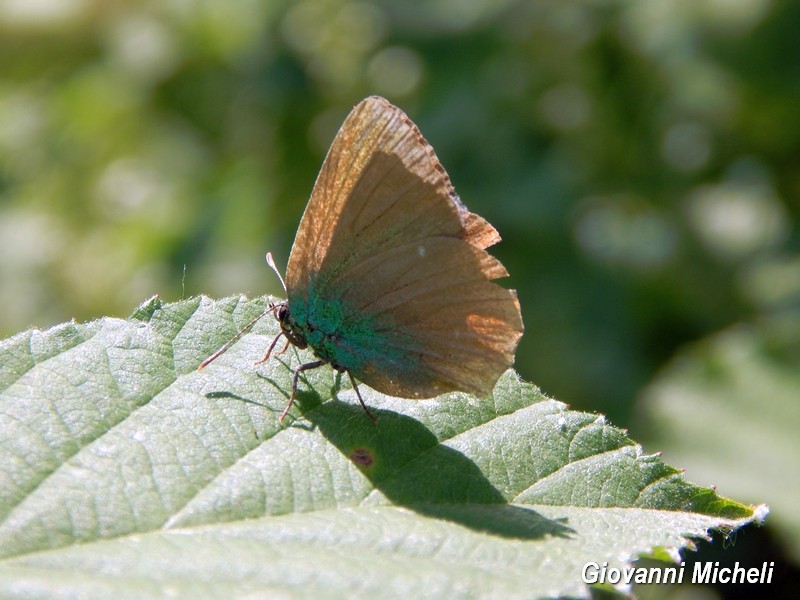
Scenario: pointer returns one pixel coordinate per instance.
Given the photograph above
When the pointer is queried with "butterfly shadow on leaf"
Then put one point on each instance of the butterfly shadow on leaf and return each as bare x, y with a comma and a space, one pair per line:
405, 462
399, 455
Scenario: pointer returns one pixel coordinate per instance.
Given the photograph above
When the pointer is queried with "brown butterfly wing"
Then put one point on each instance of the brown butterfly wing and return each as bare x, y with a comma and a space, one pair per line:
386, 241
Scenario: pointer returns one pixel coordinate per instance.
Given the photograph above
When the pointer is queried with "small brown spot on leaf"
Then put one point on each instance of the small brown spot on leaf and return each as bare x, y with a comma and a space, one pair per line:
362, 457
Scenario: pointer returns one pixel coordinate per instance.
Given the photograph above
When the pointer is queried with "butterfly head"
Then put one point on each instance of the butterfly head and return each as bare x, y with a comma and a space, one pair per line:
288, 326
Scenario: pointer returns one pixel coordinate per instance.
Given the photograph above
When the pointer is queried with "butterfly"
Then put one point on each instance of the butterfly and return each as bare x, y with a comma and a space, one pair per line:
388, 279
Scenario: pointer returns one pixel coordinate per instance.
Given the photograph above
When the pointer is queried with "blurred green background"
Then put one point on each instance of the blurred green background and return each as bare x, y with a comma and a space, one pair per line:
639, 158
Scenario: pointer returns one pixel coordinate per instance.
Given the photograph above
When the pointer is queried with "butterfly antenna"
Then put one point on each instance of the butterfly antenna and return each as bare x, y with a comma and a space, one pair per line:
235, 338
271, 263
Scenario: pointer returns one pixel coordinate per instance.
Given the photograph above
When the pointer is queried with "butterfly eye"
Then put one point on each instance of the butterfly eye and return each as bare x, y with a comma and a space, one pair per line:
283, 313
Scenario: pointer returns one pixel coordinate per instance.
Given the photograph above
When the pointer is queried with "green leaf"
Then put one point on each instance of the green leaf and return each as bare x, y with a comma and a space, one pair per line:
748, 378
125, 471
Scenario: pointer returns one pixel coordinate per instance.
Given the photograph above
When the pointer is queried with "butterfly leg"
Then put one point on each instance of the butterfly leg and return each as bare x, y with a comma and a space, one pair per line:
272, 347
360, 399
300, 369
285, 346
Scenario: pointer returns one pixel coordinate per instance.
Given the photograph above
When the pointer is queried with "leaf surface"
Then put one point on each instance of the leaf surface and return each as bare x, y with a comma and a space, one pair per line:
125, 471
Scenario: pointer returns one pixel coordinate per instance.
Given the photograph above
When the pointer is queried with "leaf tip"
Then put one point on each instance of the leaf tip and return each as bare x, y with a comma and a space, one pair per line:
760, 514
144, 312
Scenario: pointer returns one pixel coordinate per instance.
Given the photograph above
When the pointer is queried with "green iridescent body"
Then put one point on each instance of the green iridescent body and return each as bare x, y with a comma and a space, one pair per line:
346, 340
